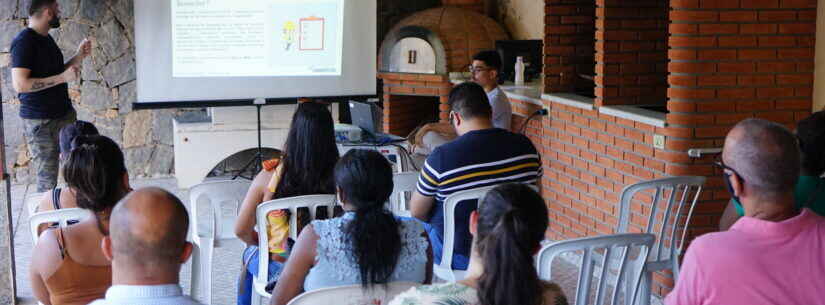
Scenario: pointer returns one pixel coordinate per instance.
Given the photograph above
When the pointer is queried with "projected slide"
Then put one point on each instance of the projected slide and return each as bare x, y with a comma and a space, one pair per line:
229, 38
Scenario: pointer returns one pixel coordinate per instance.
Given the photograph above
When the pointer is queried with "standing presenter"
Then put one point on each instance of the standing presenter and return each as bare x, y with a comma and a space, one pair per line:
41, 77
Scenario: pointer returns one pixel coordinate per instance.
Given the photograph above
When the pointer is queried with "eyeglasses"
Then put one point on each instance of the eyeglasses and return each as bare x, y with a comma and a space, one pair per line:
451, 117
474, 70
721, 164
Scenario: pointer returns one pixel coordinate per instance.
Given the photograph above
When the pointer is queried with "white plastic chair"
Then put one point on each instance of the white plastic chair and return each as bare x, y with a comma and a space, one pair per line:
353, 295
666, 218
311, 202
444, 270
615, 265
403, 183
214, 196
61, 217
32, 202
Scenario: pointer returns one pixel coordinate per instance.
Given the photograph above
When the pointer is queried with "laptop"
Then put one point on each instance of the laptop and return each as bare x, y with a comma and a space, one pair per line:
366, 116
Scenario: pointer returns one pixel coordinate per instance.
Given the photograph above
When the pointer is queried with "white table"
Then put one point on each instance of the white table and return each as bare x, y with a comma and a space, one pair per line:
201, 143
200, 146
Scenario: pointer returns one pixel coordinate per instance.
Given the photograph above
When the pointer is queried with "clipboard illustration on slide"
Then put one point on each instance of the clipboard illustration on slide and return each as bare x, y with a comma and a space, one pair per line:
311, 31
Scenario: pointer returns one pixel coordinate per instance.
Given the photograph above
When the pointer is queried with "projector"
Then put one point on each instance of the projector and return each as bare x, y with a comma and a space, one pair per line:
347, 133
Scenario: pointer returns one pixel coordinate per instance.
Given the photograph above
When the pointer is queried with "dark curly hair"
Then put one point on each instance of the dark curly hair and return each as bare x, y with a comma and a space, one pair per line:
95, 169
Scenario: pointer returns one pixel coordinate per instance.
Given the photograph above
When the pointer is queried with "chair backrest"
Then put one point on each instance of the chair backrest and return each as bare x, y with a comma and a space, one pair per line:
217, 194
61, 217
450, 205
311, 202
32, 201
353, 295
666, 217
403, 183
616, 263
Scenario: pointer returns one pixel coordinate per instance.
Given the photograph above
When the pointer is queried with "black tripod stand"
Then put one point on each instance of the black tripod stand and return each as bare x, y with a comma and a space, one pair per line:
258, 158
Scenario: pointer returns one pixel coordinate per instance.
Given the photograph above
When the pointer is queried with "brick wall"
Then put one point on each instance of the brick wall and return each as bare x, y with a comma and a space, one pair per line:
588, 157
728, 60
568, 44
732, 60
631, 52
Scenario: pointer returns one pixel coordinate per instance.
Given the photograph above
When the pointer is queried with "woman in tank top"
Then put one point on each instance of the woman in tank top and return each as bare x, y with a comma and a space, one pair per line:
70, 267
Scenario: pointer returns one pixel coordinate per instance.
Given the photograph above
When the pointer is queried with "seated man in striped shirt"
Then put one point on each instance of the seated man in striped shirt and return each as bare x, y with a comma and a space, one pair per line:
482, 155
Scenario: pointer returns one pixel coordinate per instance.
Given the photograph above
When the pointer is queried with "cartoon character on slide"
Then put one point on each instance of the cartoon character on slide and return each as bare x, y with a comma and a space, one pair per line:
290, 34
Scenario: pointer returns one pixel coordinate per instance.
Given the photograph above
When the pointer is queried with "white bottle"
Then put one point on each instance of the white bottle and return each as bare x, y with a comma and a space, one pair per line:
519, 71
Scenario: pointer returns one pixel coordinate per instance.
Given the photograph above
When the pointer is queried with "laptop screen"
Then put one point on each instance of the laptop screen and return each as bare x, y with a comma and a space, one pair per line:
364, 116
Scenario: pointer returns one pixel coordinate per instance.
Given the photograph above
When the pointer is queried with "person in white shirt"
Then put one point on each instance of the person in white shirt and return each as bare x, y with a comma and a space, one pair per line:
147, 246
485, 70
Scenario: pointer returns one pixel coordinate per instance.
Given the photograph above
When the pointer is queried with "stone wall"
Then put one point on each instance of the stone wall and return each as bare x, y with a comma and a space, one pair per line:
105, 91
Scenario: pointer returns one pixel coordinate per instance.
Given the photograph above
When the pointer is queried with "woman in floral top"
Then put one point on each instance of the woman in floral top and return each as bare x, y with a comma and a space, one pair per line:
507, 231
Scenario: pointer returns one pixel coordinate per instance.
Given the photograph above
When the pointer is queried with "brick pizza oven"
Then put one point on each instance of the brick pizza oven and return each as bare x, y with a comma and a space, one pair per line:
418, 54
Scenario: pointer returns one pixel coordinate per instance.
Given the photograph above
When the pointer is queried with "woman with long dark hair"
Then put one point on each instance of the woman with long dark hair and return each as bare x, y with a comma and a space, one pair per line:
69, 267
507, 231
65, 197
367, 245
305, 168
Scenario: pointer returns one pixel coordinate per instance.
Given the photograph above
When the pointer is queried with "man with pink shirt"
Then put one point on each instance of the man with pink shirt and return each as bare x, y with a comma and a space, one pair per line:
775, 254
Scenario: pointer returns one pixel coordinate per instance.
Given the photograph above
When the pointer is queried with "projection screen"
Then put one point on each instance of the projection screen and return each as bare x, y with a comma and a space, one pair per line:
229, 50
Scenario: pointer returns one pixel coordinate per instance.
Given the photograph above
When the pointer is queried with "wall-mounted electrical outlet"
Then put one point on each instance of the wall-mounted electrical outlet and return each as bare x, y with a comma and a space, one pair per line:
658, 141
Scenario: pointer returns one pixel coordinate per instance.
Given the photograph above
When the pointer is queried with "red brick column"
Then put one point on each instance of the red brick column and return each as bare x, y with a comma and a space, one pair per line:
568, 43
631, 52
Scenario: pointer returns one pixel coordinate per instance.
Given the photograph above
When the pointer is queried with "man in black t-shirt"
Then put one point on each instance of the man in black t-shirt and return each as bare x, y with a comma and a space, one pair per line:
41, 77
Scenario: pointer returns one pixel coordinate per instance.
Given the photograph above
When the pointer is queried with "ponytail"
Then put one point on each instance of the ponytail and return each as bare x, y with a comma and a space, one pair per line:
512, 222
94, 170
376, 242
364, 179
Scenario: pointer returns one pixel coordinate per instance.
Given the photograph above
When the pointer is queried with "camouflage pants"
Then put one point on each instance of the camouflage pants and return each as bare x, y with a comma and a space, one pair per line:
42, 139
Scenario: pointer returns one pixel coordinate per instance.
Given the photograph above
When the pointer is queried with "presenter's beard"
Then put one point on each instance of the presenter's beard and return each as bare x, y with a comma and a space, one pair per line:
55, 22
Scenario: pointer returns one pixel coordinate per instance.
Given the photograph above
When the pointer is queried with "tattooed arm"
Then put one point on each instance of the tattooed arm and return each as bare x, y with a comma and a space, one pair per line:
24, 84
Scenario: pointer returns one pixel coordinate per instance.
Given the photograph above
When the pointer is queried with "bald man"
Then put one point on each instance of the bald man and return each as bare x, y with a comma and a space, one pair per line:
772, 255
810, 189
147, 245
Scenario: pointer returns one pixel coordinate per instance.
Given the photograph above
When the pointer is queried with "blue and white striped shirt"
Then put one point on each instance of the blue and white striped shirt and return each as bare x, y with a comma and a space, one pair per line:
476, 159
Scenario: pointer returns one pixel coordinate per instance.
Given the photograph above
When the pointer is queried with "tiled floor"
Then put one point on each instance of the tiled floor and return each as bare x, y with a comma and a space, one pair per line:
226, 264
